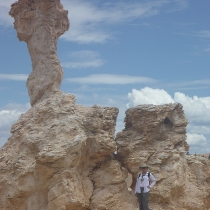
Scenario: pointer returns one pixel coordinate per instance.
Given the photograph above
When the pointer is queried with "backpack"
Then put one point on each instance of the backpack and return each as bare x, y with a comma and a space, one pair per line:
148, 175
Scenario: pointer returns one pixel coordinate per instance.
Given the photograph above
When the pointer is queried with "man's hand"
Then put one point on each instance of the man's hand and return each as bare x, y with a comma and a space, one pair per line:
149, 187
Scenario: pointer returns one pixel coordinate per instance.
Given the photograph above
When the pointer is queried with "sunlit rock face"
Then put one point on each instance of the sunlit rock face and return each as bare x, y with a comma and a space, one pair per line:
156, 135
39, 24
50, 159
63, 156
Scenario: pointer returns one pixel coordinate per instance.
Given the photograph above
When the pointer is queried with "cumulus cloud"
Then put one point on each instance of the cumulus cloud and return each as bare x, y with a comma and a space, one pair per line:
83, 59
196, 139
197, 110
9, 115
148, 96
198, 129
111, 79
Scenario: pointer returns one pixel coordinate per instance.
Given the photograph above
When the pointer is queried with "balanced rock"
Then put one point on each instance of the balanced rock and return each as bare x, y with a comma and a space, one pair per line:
39, 24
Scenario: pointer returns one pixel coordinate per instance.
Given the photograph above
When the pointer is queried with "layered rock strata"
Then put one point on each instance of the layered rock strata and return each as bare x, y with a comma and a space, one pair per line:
39, 24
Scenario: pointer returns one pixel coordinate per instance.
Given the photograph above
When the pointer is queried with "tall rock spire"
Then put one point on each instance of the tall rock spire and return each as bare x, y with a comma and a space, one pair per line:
40, 24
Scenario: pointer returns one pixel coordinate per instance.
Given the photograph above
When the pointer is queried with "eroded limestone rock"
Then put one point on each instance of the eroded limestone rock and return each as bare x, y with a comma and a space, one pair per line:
110, 189
39, 24
60, 157
54, 147
156, 135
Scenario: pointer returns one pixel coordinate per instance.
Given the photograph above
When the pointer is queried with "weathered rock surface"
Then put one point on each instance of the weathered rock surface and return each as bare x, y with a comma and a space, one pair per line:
60, 157
53, 152
156, 135
40, 24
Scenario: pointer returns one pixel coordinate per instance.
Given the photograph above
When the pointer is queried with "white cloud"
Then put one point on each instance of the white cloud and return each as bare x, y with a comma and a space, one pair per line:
197, 109
111, 79
198, 129
89, 21
83, 59
193, 83
197, 82
194, 139
15, 77
9, 115
204, 100
148, 96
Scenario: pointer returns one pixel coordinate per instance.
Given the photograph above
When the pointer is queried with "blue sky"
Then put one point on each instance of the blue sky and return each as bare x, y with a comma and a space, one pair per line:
121, 54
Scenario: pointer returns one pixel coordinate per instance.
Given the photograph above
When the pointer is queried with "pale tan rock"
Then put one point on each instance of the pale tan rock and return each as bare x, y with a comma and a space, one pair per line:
156, 135
46, 164
197, 188
61, 155
39, 24
110, 188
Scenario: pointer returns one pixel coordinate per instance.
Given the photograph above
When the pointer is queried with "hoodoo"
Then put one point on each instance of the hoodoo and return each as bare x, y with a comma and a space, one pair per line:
40, 24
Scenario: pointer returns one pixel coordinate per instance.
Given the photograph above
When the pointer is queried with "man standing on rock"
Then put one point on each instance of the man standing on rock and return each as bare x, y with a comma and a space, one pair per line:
145, 182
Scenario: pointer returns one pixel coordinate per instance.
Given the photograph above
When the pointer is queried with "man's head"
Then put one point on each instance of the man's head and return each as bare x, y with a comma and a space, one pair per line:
143, 168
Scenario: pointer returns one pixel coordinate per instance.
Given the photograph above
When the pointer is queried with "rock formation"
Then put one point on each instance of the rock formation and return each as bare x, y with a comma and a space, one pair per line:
54, 149
62, 156
156, 135
39, 24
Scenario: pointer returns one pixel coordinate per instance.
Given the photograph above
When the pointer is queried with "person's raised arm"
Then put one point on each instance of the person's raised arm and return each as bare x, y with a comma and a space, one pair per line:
153, 180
